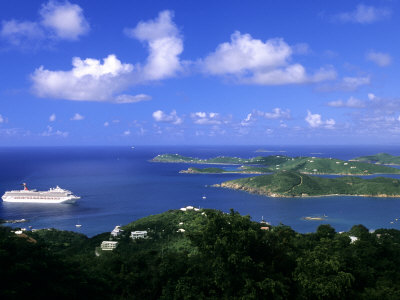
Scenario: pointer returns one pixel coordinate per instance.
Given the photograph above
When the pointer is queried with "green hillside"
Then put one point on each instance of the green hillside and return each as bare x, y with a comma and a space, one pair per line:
293, 184
275, 163
380, 158
260, 160
218, 256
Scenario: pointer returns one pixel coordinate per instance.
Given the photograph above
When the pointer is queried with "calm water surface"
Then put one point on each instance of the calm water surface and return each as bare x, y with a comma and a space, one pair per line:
120, 184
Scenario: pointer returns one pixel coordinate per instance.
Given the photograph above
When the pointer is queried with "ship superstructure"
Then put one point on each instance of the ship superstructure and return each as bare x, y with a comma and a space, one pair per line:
53, 195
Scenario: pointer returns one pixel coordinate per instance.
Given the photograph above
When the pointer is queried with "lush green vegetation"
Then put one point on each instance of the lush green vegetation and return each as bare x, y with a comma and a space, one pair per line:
260, 160
380, 158
275, 163
292, 184
193, 170
219, 256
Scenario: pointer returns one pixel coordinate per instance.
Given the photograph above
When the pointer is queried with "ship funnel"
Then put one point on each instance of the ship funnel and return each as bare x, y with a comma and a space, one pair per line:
25, 187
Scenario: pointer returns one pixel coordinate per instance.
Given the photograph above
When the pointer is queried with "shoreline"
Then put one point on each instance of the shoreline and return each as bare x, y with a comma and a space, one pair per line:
262, 173
276, 195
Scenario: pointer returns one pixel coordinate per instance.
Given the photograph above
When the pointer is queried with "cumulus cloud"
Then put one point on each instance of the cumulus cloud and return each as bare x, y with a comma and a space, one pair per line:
52, 117
253, 61
2, 119
106, 124
364, 14
65, 20
173, 118
89, 80
351, 103
315, 121
93, 80
58, 21
51, 132
165, 45
77, 117
204, 118
379, 58
127, 132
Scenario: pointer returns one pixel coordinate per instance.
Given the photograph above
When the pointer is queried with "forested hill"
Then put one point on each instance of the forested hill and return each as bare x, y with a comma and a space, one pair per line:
218, 256
275, 163
380, 158
293, 184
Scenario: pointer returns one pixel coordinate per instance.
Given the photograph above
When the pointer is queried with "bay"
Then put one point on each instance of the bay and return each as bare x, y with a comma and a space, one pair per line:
120, 184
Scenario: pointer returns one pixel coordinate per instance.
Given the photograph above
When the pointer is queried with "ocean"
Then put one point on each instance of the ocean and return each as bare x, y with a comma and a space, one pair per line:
119, 185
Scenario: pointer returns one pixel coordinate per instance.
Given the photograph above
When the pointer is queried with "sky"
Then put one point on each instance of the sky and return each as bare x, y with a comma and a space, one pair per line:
199, 72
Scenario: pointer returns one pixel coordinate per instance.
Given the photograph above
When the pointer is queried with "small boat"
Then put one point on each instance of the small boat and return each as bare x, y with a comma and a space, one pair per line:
204, 197
78, 225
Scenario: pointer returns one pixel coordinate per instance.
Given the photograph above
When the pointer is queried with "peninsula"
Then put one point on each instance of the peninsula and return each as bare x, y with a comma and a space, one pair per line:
294, 184
380, 158
276, 163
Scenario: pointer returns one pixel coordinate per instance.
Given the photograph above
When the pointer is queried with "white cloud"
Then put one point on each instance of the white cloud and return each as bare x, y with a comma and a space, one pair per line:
165, 46
21, 33
77, 117
253, 61
59, 21
93, 80
277, 113
106, 124
127, 132
352, 83
371, 96
315, 121
173, 118
52, 117
379, 58
364, 14
351, 102
65, 20
244, 53
51, 132
2, 119
89, 80
124, 98
204, 118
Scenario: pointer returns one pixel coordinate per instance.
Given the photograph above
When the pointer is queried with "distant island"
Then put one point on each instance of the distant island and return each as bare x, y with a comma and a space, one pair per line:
276, 163
294, 184
380, 158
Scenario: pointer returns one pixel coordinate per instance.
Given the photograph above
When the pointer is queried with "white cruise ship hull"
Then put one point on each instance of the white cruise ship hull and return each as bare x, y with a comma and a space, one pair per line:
26, 200
53, 195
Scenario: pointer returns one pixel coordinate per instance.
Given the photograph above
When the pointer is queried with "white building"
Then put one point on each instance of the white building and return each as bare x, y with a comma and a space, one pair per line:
108, 245
138, 234
116, 231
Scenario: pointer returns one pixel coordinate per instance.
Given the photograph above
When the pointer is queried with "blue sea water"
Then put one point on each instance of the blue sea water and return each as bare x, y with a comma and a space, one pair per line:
120, 184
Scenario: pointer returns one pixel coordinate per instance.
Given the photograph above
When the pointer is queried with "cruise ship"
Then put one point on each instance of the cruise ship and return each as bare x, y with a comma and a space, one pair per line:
53, 195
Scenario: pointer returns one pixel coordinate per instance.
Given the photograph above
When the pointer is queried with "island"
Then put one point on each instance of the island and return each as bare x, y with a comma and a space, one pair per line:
276, 163
294, 184
380, 158
222, 160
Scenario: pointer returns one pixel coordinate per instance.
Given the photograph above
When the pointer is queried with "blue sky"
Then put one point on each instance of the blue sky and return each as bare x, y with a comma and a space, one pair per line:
199, 72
